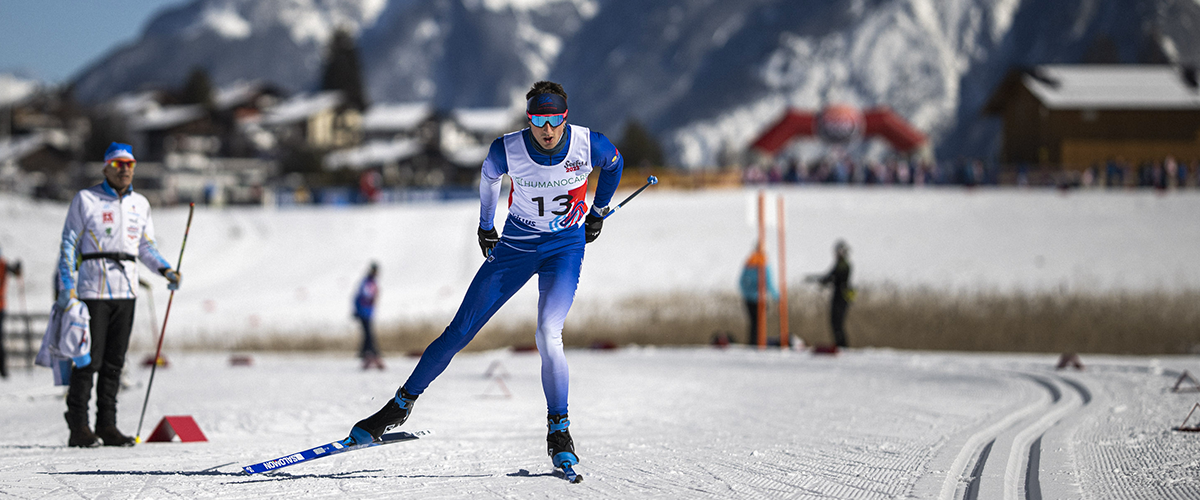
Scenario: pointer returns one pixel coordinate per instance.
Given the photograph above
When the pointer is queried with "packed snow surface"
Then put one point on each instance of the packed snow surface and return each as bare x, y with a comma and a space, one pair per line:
647, 423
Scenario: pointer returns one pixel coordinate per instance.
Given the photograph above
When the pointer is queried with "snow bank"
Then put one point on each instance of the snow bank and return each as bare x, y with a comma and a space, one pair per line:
250, 271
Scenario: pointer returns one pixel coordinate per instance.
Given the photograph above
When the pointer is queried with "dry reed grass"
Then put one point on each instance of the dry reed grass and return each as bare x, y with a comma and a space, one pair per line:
883, 316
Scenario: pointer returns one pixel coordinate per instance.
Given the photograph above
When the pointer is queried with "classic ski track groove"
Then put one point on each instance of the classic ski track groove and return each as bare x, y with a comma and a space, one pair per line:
1003, 459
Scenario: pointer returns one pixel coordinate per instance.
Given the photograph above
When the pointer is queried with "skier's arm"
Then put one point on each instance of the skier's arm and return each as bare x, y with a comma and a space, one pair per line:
609, 161
495, 165
148, 249
152, 258
68, 253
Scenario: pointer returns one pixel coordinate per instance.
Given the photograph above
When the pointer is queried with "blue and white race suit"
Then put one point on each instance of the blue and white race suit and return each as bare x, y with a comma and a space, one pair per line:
543, 235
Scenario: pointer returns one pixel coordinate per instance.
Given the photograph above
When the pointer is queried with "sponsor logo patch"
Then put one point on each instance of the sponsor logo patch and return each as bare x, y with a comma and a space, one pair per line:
574, 165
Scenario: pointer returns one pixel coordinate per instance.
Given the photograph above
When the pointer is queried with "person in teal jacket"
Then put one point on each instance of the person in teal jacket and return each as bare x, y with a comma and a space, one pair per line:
749, 286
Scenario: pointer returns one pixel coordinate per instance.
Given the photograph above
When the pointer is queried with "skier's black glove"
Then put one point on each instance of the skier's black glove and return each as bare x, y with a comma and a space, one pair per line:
487, 240
592, 225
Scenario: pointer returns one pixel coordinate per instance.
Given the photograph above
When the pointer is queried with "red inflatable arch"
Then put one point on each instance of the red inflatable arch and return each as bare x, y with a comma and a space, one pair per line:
838, 124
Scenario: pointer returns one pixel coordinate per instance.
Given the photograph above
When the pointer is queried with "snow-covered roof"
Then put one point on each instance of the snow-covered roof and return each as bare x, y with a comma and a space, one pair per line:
471, 156
165, 117
13, 89
388, 117
15, 148
134, 103
373, 153
301, 106
235, 94
1112, 87
485, 120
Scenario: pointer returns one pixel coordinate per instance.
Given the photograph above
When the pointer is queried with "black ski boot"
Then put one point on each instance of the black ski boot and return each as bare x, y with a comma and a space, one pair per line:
392, 415
81, 434
113, 436
558, 441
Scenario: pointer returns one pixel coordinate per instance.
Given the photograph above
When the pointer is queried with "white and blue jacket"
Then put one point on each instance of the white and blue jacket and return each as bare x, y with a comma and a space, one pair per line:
101, 239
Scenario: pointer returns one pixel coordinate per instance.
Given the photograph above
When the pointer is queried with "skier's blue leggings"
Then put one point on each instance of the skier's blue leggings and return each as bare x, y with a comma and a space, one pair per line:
557, 263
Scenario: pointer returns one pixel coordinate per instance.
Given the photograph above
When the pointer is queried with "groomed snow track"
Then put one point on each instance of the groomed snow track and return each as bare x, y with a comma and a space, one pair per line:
1004, 459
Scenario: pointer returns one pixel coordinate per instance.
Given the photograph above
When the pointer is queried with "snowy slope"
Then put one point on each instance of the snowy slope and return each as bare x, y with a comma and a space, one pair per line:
648, 423
252, 272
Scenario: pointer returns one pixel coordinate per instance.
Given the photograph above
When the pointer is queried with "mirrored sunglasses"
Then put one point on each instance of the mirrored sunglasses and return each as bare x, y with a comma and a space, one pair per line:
122, 163
542, 120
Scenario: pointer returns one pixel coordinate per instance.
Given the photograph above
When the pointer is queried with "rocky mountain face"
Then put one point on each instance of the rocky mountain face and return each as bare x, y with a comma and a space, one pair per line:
706, 76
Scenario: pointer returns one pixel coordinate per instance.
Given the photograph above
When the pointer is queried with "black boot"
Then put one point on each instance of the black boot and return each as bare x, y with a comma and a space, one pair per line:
81, 434
392, 415
558, 441
112, 436
106, 428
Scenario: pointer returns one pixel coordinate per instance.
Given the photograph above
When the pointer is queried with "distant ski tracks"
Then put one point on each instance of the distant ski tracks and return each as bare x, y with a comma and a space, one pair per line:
1003, 460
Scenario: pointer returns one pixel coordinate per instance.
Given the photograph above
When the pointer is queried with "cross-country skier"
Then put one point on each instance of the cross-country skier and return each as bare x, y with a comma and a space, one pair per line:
547, 226
108, 227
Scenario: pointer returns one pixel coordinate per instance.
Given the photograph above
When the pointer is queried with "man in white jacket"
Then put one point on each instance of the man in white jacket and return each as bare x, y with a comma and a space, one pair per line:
108, 227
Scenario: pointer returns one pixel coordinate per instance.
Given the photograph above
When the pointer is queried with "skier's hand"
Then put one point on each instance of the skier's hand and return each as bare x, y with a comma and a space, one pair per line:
592, 225
173, 279
488, 240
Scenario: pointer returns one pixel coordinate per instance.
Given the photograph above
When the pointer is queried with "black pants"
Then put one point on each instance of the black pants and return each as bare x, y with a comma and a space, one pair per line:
112, 322
837, 321
752, 311
3, 353
368, 343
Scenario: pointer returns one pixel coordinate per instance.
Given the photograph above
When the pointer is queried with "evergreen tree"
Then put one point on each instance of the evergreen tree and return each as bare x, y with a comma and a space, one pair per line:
639, 147
342, 70
198, 89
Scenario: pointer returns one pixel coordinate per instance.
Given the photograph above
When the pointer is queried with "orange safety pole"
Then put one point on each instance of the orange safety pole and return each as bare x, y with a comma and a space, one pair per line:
783, 303
762, 272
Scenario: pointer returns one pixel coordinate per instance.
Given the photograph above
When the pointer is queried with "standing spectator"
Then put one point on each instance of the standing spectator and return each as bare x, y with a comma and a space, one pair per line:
364, 310
749, 286
793, 174
5, 269
107, 229
1178, 171
843, 294
1170, 173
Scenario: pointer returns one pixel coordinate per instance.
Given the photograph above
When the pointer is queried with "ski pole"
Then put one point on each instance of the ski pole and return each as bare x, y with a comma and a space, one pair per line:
649, 182
158, 352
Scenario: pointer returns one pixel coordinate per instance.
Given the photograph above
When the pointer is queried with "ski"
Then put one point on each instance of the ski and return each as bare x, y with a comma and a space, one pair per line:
570, 475
329, 449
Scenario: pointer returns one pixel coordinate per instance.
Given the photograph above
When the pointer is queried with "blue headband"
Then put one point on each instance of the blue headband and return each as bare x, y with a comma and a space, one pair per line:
546, 104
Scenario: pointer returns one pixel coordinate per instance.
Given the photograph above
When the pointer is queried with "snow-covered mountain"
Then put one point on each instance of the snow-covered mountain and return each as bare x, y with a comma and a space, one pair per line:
282, 41
706, 75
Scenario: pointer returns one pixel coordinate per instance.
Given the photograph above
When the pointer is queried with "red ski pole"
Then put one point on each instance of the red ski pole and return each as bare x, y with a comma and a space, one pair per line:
158, 352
